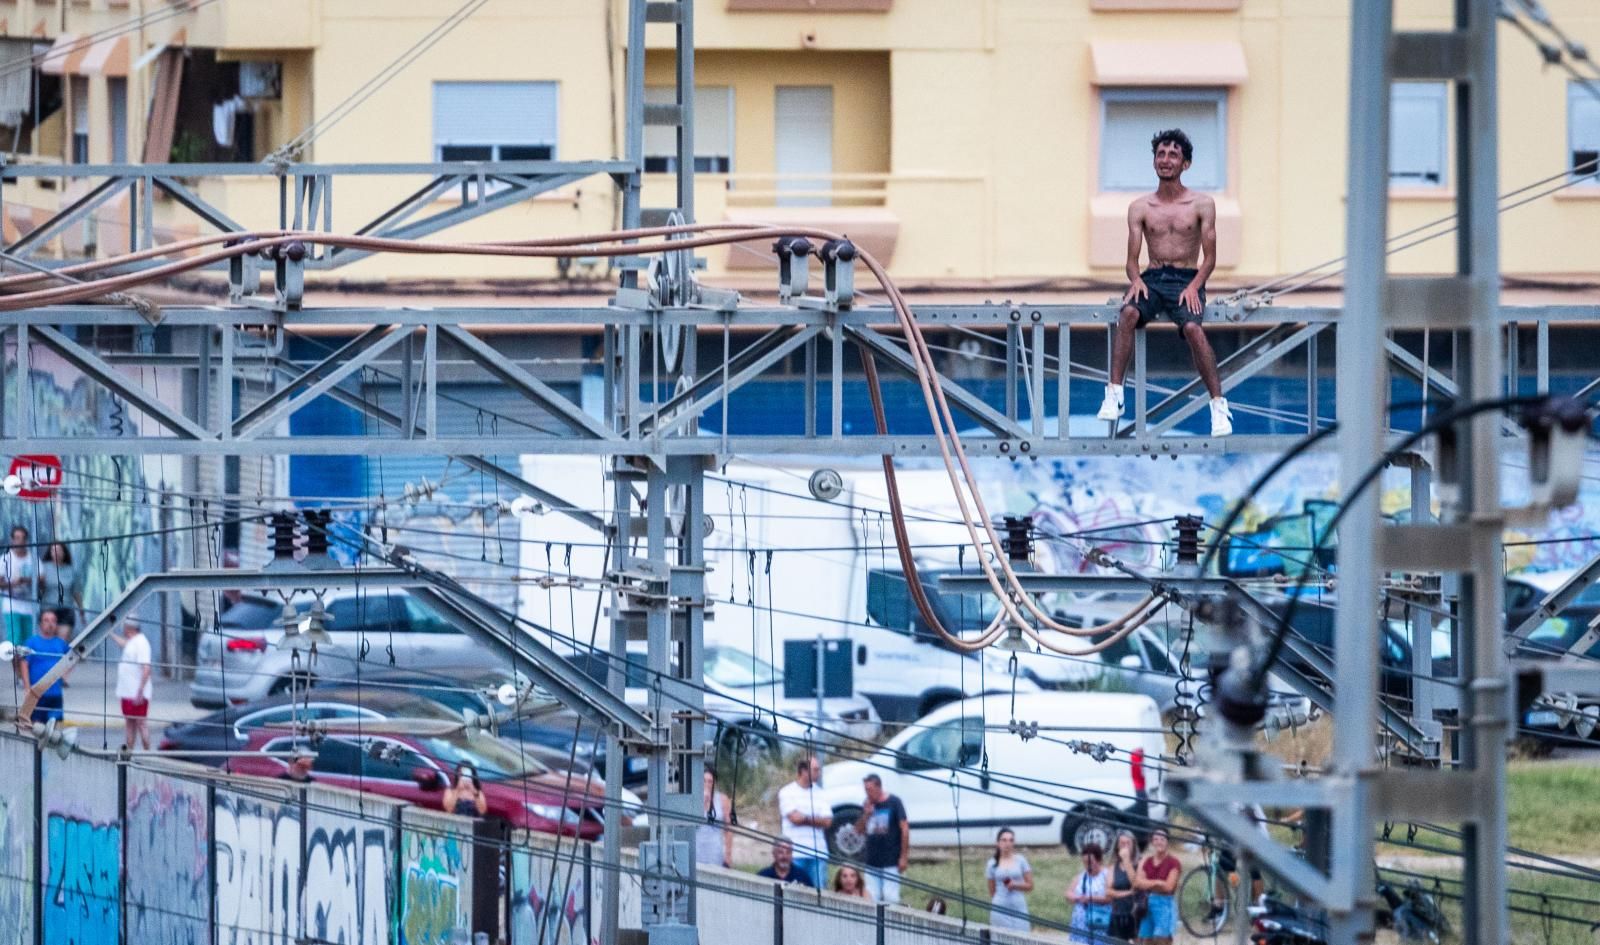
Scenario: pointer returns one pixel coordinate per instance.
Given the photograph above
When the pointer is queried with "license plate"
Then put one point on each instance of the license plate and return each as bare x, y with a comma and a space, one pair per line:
1544, 719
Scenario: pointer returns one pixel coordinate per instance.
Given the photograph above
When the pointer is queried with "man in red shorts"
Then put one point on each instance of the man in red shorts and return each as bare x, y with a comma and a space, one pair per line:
133, 685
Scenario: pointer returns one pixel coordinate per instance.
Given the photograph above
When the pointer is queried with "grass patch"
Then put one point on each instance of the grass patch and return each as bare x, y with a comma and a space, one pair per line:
1552, 807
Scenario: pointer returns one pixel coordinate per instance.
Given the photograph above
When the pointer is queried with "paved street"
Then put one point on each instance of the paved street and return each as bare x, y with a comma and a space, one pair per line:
92, 705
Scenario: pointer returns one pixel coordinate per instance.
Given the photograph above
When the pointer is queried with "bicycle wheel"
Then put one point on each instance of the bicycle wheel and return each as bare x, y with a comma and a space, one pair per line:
1195, 906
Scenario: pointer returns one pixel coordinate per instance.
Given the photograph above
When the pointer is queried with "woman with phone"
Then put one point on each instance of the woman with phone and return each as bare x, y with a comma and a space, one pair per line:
465, 795
1010, 880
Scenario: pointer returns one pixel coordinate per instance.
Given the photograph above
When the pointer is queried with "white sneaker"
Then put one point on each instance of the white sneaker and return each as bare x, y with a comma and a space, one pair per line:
1221, 417
1111, 407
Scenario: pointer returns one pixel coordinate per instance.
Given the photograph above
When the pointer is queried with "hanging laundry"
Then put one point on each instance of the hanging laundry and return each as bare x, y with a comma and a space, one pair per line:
224, 115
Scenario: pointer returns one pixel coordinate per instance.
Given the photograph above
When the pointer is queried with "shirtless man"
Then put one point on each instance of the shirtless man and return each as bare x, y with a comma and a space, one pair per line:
1180, 227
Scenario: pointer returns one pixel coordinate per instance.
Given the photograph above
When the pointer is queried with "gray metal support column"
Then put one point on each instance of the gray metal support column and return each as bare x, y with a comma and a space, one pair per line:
1487, 702
617, 683
1361, 415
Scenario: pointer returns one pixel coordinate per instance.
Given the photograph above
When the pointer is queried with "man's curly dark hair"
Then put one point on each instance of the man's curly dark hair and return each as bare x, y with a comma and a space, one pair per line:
1173, 136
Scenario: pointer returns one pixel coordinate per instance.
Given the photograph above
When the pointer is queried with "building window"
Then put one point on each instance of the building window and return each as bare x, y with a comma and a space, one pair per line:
494, 121
80, 120
1130, 117
1418, 143
713, 131
1583, 130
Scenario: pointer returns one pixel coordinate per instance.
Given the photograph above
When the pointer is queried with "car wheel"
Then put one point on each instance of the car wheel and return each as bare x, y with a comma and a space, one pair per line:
844, 840
749, 745
1092, 823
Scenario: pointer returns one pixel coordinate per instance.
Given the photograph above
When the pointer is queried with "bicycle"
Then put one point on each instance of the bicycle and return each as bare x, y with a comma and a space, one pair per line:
1197, 908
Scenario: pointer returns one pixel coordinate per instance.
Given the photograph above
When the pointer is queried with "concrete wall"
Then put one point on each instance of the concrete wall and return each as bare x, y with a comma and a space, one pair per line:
168, 893
18, 829
82, 852
262, 863
435, 880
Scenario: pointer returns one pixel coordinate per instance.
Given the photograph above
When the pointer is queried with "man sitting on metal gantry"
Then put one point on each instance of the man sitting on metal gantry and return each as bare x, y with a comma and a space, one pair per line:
1180, 226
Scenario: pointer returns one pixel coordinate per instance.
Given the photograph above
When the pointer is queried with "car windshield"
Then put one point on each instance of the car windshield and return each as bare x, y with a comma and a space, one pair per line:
495, 758
737, 670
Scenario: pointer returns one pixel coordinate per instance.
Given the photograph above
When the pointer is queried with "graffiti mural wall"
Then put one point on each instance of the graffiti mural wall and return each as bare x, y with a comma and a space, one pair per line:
435, 879
17, 824
348, 880
257, 843
82, 851
550, 902
168, 895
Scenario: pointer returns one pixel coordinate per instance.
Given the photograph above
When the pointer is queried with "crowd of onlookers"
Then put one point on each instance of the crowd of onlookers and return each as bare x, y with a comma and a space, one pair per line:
1129, 898
41, 605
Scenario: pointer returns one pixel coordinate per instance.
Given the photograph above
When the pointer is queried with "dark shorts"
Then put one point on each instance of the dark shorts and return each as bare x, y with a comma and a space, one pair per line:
1228, 864
48, 707
1166, 283
135, 710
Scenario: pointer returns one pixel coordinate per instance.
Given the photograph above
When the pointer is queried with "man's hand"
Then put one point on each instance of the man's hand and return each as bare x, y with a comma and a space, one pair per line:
1189, 298
904, 864
795, 817
1136, 291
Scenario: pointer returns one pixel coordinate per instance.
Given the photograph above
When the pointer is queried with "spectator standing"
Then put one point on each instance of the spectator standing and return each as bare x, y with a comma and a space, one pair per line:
20, 575
48, 647
1124, 863
465, 796
1010, 880
783, 868
713, 842
133, 684
1090, 898
883, 822
58, 580
1158, 878
806, 817
848, 882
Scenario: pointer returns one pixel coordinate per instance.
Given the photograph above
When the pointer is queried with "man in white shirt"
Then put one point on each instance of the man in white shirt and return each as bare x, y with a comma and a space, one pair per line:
133, 684
806, 817
19, 572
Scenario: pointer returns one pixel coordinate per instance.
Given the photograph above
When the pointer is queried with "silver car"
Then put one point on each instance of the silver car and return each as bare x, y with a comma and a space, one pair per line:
370, 630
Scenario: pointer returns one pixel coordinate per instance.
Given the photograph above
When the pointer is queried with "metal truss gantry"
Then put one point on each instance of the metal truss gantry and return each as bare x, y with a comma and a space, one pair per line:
653, 349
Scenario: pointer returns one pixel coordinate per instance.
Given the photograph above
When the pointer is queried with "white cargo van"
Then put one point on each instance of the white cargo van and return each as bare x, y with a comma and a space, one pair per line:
785, 566
1039, 787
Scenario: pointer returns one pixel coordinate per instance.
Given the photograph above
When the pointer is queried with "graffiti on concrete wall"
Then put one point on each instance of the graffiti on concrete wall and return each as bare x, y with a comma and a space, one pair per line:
257, 870
82, 852
167, 897
436, 882
345, 888
548, 908
16, 841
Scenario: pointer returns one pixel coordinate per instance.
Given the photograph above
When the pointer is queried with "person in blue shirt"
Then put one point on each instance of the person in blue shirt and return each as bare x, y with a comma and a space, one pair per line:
47, 646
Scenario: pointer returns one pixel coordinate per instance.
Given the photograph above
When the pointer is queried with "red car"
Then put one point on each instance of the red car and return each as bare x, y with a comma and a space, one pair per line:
417, 769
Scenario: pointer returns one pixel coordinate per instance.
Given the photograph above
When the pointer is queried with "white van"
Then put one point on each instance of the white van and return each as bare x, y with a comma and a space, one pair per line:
1039, 787
832, 571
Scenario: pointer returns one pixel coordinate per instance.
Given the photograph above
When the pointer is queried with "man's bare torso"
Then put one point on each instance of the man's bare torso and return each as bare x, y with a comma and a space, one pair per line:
1172, 229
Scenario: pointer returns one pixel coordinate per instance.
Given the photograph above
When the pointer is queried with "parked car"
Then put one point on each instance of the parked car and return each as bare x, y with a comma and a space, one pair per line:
1556, 634
443, 695
962, 775
417, 768
241, 661
744, 695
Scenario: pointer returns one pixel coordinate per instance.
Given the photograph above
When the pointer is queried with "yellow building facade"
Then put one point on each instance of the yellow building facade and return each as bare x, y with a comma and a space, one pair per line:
972, 142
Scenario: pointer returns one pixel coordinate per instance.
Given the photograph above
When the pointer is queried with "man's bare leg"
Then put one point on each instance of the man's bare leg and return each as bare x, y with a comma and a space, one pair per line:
1205, 361
1205, 364
1121, 354
1122, 344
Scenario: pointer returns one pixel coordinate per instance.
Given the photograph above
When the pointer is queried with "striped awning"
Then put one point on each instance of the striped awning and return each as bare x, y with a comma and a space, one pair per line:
73, 54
